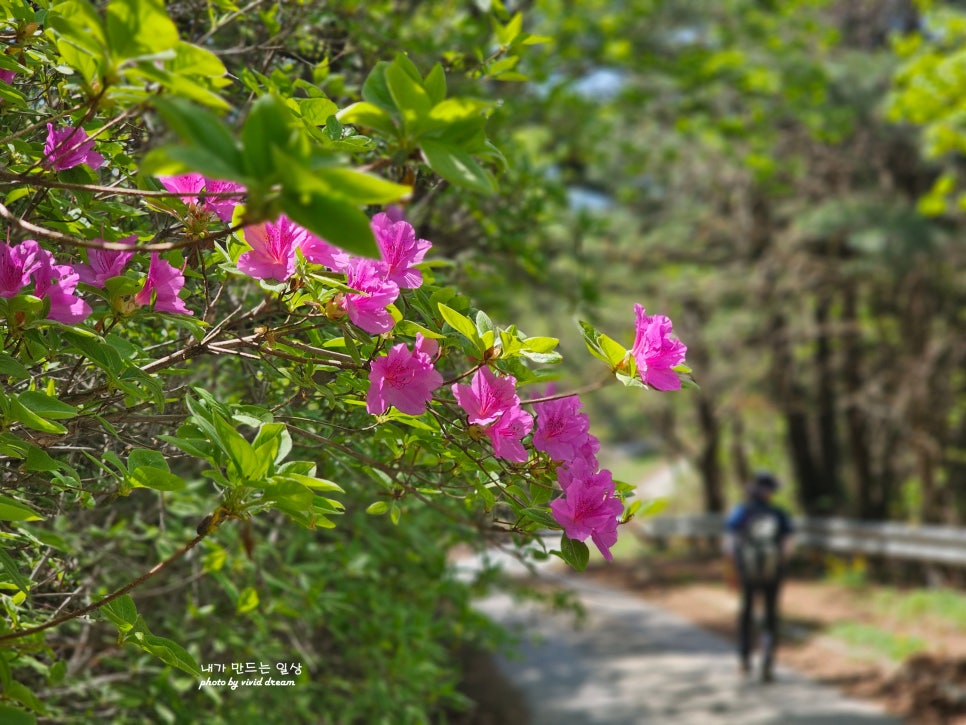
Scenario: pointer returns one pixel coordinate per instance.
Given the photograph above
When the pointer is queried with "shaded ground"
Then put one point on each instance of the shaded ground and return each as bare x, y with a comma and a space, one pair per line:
629, 663
927, 688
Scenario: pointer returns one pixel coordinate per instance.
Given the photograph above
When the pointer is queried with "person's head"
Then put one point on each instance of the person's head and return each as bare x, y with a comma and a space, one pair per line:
763, 486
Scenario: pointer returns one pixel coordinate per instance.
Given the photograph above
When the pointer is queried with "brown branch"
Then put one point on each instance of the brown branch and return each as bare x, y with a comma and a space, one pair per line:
113, 246
589, 388
93, 606
46, 182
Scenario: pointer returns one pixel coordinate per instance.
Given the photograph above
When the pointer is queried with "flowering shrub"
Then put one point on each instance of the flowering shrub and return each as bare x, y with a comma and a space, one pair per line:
242, 321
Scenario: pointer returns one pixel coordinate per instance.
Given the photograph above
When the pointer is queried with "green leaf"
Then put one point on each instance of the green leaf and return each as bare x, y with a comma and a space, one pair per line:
319, 484
191, 60
613, 351
457, 166
408, 95
335, 220
139, 27
238, 449
58, 670
79, 37
540, 344
143, 457
316, 111
46, 406
358, 187
591, 340
175, 160
19, 413
435, 84
96, 350
156, 478
272, 444
189, 88
574, 552
459, 110
541, 516
375, 90
247, 600
122, 612
506, 34
10, 715
379, 508
204, 131
13, 571
11, 367
630, 381
39, 460
170, 653
462, 325
268, 125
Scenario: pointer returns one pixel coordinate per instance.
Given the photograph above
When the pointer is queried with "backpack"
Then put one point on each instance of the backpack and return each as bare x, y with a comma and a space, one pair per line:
759, 545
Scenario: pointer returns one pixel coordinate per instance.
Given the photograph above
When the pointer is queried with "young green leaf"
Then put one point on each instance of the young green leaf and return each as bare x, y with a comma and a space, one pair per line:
457, 166
574, 552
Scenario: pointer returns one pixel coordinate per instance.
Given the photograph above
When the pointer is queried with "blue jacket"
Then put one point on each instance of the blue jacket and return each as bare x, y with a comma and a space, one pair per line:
735, 522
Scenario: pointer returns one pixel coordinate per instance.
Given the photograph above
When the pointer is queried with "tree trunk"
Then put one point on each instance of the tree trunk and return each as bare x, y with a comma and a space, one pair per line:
739, 455
828, 437
709, 463
791, 399
860, 454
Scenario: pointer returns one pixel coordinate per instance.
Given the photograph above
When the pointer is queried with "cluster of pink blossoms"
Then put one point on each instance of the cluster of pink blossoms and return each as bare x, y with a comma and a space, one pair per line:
589, 506
492, 402
404, 378
376, 283
205, 196
28, 262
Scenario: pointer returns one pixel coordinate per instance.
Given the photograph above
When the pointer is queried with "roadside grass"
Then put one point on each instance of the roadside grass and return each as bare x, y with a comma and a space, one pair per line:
908, 607
877, 641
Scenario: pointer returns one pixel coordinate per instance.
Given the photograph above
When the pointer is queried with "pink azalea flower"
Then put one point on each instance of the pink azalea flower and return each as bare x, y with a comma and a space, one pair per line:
587, 450
57, 283
102, 264
400, 250
16, 265
605, 536
584, 472
655, 352
507, 434
69, 147
164, 282
273, 249
561, 428
367, 307
404, 379
487, 397
223, 207
587, 510
7, 76
319, 251
187, 186
193, 188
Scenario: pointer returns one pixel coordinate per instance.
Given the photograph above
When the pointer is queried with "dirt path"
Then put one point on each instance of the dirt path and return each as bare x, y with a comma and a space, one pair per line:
633, 663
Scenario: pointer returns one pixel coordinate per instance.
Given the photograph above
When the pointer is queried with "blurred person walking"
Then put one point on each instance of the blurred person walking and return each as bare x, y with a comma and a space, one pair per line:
757, 541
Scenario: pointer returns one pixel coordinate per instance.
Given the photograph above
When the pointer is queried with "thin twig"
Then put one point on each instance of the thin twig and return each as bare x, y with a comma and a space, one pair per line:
94, 606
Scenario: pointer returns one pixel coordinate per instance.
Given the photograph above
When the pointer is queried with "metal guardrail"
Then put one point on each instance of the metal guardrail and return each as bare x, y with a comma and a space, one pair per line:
934, 544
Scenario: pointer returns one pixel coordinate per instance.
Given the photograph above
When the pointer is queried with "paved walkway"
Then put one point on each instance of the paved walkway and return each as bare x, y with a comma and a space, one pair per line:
632, 664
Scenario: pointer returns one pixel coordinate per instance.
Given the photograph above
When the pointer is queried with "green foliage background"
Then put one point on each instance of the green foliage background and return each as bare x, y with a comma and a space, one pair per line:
783, 179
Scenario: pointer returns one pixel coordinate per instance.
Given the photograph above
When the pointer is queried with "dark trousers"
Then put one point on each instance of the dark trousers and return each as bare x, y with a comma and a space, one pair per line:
768, 591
